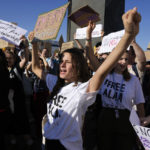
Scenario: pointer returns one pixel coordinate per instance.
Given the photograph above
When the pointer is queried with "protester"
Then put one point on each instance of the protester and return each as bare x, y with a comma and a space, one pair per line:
114, 128
74, 92
19, 125
5, 112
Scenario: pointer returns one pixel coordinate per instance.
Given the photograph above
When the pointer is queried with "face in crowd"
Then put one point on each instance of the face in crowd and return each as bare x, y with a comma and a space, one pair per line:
10, 57
122, 63
67, 71
73, 66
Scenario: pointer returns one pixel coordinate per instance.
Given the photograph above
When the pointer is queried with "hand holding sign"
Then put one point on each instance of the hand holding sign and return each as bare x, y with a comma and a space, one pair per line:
32, 39
131, 21
10, 32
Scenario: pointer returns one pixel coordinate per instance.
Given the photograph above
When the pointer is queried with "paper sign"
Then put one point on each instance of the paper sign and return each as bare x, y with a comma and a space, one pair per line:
82, 16
67, 45
81, 32
144, 135
142, 132
110, 41
48, 24
11, 32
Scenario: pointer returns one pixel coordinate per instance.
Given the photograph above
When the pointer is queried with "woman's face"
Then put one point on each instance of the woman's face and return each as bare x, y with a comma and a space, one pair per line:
10, 59
122, 63
67, 71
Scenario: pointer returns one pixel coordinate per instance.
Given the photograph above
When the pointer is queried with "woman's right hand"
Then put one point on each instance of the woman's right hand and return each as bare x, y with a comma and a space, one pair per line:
131, 20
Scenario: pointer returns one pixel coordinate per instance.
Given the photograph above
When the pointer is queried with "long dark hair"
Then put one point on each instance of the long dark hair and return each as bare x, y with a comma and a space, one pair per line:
3, 61
79, 64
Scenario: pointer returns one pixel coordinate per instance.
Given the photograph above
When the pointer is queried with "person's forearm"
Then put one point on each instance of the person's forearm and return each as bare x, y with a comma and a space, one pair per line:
35, 62
140, 110
90, 53
79, 44
140, 56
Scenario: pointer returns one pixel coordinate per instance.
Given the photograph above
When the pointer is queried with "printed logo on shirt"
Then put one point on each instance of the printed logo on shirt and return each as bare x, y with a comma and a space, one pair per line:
55, 106
113, 90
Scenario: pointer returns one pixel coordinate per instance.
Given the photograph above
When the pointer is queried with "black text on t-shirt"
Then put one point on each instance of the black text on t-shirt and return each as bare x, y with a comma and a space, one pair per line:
54, 108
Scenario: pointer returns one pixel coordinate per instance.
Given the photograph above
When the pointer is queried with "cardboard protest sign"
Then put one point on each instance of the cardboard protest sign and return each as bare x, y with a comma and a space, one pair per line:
148, 47
67, 45
81, 32
147, 54
110, 41
142, 132
82, 16
10, 32
4, 44
48, 24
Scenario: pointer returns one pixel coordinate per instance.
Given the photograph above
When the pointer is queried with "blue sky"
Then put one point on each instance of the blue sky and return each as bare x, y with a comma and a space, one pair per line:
25, 13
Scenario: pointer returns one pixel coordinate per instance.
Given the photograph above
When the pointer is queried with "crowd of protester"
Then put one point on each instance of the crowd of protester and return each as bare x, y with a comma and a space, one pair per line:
77, 99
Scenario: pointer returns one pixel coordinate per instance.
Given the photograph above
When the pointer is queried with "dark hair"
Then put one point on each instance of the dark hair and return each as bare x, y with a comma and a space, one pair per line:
98, 44
132, 51
79, 64
126, 75
3, 63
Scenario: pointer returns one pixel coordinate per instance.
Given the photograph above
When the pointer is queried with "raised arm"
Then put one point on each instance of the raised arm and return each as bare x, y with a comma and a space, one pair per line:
131, 21
25, 59
78, 42
140, 56
35, 58
88, 46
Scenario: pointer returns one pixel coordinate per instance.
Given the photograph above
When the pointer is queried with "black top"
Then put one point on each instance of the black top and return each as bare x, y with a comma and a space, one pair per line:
4, 88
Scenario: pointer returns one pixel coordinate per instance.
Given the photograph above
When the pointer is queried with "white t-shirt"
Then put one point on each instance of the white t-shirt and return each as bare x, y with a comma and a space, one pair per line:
65, 113
118, 93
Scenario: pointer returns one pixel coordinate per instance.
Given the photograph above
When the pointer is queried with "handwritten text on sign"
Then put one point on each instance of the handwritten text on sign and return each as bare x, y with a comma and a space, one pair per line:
110, 41
142, 132
48, 24
11, 32
144, 135
81, 32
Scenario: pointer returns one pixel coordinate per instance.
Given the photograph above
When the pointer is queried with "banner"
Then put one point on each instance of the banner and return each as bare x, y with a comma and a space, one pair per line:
81, 32
82, 16
48, 24
10, 32
110, 41
142, 132
67, 45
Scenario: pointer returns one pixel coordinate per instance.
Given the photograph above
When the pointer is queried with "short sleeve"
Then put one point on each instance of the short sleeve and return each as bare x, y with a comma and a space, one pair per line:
86, 99
51, 81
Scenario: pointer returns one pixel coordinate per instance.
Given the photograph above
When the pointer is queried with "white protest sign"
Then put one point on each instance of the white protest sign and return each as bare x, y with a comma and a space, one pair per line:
81, 32
110, 41
144, 135
10, 32
142, 132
